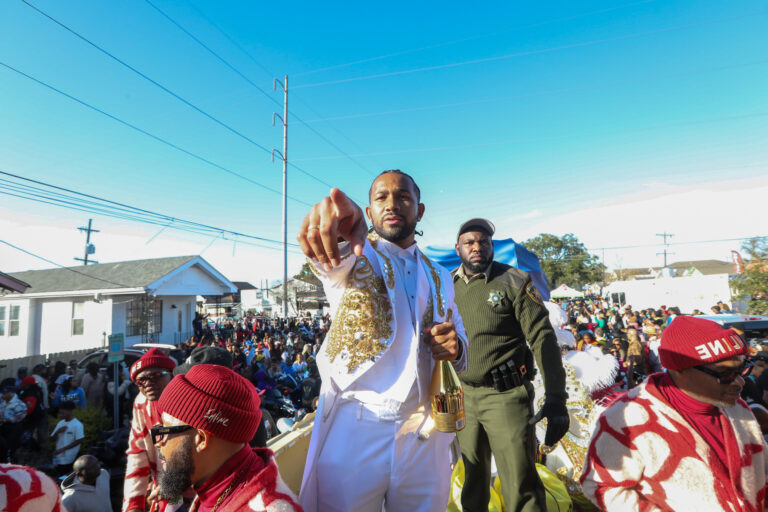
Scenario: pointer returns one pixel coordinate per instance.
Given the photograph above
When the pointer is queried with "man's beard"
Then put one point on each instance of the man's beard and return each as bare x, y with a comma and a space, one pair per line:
177, 475
479, 266
394, 234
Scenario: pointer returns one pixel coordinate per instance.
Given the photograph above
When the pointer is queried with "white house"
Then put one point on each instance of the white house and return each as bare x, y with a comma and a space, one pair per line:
76, 308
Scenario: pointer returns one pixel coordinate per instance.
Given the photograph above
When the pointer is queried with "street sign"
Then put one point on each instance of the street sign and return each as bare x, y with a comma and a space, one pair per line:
116, 343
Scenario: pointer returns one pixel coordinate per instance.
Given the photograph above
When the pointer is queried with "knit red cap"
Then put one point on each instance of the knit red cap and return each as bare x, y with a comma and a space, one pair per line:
153, 358
689, 341
215, 399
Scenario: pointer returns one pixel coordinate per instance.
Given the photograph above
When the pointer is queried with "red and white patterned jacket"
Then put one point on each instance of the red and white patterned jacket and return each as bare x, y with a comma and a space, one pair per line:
142, 454
644, 456
262, 489
24, 489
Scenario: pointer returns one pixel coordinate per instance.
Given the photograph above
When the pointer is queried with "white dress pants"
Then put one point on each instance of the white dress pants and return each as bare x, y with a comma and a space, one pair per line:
368, 461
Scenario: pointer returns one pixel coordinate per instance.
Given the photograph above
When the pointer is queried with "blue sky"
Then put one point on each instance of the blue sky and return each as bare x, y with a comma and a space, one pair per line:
528, 113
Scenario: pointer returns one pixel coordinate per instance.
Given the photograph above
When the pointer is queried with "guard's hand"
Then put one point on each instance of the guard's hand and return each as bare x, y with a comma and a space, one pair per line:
333, 217
443, 341
558, 420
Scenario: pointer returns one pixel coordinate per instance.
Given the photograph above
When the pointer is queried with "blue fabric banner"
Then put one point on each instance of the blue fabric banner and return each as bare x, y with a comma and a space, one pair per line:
505, 251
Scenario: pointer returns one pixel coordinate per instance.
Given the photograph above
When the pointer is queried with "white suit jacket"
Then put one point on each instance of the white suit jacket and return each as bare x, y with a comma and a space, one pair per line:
362, 293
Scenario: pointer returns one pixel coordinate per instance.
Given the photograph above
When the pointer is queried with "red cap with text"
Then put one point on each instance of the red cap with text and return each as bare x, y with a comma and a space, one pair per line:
215, 399
689, 341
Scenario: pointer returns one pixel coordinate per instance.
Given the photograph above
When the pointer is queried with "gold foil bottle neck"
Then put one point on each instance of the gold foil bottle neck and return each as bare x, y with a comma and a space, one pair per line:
447, 398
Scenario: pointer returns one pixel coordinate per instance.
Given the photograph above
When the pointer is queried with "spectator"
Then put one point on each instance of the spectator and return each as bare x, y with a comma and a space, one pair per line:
93, 385
86, 489
28, 490
151, 373
12, 413
32, 397
682, 440
637, 360
68, 435
310, 388
20, 374
299, 366
70, 391
209, 416
123, 392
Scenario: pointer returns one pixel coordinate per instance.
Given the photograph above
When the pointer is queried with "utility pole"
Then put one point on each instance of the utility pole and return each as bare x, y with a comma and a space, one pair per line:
89, 247
665, 235
284, 156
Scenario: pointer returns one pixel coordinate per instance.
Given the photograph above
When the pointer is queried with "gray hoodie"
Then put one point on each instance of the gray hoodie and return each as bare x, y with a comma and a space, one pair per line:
79, 497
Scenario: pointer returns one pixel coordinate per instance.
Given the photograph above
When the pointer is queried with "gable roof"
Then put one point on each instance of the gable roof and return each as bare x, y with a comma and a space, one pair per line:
9, 283
244, 285
706, 267
124, 274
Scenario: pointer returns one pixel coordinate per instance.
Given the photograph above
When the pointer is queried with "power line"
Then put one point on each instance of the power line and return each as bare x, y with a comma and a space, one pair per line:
262, 91
549, 138
141, 215
155, 137
150, 80
537, 93
465, 39
530, 52
61, 266
693, 242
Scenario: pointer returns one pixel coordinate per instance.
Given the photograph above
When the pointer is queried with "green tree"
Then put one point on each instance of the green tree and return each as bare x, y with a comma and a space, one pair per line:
306, 275
565, 260
752, 285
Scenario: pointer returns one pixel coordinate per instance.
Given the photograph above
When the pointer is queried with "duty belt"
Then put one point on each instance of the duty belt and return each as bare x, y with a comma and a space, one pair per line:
504, 377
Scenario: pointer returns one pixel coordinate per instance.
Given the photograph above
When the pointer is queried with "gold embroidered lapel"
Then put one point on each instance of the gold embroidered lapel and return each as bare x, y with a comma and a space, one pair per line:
361, 328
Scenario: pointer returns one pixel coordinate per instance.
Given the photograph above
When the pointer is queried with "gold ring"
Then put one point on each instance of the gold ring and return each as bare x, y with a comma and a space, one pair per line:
310, 228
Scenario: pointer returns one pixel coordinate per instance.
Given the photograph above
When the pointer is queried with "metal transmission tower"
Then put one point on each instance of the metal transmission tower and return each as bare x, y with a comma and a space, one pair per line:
284, 156
89, 247
665, 235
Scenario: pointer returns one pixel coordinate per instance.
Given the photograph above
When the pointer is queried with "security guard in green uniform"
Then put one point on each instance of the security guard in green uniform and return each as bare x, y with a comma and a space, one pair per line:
502, 309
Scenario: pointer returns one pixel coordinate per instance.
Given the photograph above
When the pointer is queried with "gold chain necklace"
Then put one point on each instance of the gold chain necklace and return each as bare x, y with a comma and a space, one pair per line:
227, 490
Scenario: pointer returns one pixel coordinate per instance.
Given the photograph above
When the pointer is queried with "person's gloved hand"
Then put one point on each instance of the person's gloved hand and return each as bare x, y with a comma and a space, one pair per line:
558, 420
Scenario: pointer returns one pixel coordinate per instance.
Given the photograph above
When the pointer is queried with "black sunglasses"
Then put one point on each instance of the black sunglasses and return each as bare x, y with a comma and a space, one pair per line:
728, 376
158, 433
151, 377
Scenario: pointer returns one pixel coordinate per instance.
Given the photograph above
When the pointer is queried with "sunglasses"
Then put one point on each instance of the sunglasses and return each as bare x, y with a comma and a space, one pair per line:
158, 433
728, 376
152, 377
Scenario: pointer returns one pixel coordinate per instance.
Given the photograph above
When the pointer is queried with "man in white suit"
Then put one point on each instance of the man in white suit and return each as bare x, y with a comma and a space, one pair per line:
393, 316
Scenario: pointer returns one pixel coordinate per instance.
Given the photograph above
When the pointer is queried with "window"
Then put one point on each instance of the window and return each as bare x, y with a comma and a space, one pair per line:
179, 321
144, 317
2, 320
14, 323
78, 318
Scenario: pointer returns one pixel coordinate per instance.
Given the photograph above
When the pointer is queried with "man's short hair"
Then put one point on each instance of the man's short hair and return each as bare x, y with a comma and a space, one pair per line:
67, 405
396, 171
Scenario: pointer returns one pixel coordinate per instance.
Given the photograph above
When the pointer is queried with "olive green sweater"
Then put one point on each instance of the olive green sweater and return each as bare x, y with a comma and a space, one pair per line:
501, 310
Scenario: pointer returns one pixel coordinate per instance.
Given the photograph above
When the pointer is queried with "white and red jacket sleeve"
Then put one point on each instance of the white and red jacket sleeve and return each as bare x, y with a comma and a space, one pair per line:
644, 456
141, 454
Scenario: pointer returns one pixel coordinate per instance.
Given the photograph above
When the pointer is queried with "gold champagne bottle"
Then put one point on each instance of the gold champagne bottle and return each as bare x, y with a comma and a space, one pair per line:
447, 398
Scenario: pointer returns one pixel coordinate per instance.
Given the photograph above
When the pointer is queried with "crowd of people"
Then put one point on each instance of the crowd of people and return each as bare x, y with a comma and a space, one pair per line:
670, 433
38, 408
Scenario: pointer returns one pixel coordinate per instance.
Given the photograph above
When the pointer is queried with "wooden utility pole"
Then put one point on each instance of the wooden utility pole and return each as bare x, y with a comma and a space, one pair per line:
284, 156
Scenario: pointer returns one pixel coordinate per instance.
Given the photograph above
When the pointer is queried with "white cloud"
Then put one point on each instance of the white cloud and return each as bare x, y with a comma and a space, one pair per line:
699, 212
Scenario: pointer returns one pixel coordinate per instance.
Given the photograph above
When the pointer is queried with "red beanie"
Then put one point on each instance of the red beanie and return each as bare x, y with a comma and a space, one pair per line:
689, 341
215, 399
153, 358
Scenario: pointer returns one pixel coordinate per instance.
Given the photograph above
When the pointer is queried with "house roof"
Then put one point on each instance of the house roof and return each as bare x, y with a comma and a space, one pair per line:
124, 274
10, 283
706, 267
244, 285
